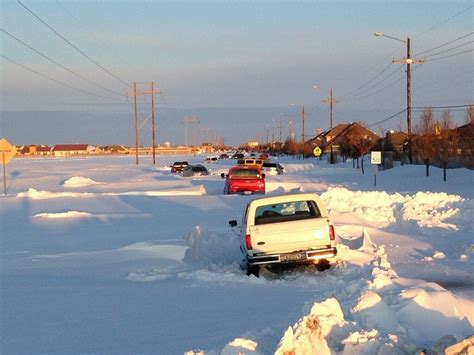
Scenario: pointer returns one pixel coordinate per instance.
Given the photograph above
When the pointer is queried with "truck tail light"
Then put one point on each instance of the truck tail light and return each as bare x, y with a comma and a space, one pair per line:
332, 234
248, 242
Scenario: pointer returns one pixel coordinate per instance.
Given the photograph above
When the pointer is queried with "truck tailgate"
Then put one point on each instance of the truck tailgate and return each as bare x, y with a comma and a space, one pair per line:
290, 236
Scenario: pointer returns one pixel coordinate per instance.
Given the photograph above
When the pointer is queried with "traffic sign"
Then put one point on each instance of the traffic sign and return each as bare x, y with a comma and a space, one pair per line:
317, 151
7, 151
376, 157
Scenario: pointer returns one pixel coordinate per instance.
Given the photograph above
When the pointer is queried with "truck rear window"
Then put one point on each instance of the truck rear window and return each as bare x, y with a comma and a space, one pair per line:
287, 211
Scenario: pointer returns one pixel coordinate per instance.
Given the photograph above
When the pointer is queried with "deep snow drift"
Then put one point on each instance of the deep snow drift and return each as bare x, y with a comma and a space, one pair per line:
102, 256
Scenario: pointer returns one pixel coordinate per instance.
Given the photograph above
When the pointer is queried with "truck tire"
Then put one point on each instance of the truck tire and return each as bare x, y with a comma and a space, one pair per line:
252, 270
323, 265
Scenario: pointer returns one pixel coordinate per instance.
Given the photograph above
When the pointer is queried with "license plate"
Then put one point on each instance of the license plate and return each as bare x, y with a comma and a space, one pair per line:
293, 257
247, 192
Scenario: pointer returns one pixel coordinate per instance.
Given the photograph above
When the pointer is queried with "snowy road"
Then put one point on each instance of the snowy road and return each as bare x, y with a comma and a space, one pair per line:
102, 256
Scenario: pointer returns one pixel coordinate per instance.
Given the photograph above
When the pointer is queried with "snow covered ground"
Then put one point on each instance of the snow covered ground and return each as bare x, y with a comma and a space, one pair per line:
99, 255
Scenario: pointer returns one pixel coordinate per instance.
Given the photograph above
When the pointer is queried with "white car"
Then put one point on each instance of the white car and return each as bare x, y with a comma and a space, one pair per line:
292, 228
270, 168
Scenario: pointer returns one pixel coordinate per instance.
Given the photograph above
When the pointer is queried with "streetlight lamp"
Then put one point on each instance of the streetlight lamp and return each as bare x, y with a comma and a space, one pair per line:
408, 61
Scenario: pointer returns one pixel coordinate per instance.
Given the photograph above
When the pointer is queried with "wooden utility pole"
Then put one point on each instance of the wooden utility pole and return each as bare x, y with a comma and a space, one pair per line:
152, 92
136, 121
408, 61
186, 121
302, 132
290, 129
280, 126
331, 101
153, 123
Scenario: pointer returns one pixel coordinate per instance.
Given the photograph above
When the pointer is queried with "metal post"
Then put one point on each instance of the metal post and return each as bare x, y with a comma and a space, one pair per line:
153, 121
409, 100
4, 174
136, 121
330, 125
302, 132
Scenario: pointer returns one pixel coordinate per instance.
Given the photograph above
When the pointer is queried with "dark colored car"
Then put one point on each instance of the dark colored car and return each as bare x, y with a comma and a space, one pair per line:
244, 180
178, 166
195, 170
238, 156
223, 156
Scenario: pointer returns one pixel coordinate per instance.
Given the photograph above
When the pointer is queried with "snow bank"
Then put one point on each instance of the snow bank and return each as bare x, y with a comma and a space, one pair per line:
372, 206
210, 247
68, 214
190, 191
240, 346
298, 168
79, 181
427, 209
429, 312
305, 337
431, 209
42, 195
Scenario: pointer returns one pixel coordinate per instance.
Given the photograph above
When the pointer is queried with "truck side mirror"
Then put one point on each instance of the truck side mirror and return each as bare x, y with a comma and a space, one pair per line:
222, 175
263, 175
233, 223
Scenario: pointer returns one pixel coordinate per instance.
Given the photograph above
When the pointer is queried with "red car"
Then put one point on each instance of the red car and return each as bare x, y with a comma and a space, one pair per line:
244, 180
264, 156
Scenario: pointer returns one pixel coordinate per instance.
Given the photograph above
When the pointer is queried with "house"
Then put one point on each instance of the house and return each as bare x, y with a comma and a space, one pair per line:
114, 149
341, 134
36, 150
62, 150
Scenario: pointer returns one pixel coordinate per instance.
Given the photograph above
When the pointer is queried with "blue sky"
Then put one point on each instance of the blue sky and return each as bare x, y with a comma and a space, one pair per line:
209, 57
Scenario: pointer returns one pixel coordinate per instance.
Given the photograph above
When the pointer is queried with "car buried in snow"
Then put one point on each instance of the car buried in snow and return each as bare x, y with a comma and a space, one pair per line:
195, 170
178, 166
272, 168
286, 229
244, 180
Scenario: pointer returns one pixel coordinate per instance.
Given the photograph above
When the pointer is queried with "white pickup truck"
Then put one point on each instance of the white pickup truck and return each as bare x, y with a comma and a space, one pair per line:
292, 228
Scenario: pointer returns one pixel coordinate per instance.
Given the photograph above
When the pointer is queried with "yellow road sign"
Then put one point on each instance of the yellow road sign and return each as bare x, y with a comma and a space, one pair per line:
317, 151
7, 151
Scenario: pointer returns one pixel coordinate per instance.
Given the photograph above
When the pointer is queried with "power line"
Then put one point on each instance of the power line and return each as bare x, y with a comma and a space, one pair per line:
387, 119
445, 21
352, 93
55, 80
452, 55
82, 27
450, 49
59, 64
378, 90
444, 44
442, 107
72, 45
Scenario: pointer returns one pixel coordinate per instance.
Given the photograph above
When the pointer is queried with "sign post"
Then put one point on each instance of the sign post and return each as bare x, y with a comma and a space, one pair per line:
317, 153
375, 160
8, 152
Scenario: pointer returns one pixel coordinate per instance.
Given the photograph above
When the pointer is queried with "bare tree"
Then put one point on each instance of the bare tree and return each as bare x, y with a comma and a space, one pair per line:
361, 146
446, 141
423, 142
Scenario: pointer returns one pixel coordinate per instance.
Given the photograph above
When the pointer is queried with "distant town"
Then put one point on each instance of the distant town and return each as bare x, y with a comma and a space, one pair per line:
433, 142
